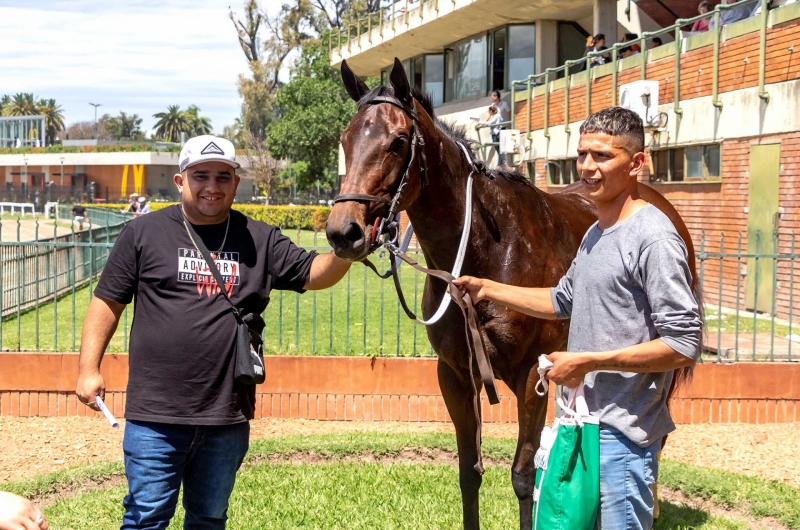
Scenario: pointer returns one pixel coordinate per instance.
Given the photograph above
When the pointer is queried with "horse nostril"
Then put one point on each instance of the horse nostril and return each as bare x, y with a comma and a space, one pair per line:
354, 233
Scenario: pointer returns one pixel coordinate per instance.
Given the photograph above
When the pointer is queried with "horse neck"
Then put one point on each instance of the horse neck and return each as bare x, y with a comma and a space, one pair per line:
438, 213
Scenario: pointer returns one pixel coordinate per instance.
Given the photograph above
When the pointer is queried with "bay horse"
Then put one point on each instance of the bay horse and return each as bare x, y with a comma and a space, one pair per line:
520, 235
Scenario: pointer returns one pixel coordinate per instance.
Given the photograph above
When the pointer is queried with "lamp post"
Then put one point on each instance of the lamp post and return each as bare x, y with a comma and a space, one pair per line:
95, 105
25, 183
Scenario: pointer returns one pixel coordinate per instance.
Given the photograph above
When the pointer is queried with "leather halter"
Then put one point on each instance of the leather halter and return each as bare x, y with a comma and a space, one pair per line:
388, 223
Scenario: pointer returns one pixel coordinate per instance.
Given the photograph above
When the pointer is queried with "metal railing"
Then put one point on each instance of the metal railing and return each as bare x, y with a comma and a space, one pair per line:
46, 286
386, 18
550, 74
42, 262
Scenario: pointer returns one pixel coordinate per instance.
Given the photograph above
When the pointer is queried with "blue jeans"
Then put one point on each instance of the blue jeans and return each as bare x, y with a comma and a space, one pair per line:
501, 158
627, 473
159, 457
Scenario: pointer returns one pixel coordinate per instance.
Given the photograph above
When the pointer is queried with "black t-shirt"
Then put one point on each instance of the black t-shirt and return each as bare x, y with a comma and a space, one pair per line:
183, 332
78, 211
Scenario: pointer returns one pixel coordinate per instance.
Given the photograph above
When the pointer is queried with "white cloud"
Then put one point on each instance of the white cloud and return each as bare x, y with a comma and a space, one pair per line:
136, 56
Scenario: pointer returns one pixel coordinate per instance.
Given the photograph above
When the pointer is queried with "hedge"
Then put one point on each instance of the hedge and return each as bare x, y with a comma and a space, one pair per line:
289, 217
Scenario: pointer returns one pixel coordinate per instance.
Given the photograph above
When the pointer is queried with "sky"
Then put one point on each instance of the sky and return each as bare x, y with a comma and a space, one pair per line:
136, 56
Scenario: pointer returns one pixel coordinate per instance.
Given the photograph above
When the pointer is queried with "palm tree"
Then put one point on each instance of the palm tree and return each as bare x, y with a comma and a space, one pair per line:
200, 125
53, 118
172, 123
21, 104
4, 100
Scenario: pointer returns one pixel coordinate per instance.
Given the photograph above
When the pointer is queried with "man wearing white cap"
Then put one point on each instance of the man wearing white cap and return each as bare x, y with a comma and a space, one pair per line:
187, 417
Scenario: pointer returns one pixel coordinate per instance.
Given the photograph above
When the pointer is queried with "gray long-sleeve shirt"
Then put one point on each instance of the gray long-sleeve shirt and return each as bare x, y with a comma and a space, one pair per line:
630, 284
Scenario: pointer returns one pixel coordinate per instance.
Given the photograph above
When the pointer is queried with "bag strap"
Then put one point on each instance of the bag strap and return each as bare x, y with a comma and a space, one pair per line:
198, 242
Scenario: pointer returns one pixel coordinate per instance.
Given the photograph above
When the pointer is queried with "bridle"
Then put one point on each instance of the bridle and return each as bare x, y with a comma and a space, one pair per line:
387, 226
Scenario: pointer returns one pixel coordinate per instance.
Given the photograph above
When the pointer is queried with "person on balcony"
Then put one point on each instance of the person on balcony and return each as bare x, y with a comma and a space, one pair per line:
702, 24
734, 14
493, 123
596, 44
502, 106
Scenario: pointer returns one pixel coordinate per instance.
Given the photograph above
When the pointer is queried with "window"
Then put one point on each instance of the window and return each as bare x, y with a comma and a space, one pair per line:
521, 52
687, 164
417, 72
571, 45
470, 67
562, 172
449, 74
385, 77
499, 59
434, 78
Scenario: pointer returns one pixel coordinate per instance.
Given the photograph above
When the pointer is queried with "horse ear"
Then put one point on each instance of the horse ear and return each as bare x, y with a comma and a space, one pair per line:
402, 90
352, 83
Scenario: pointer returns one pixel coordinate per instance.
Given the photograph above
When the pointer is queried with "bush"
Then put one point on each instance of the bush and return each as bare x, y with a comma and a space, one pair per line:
289, 217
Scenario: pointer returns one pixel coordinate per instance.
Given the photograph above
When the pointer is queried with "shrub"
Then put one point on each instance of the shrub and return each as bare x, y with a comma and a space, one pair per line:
289, 217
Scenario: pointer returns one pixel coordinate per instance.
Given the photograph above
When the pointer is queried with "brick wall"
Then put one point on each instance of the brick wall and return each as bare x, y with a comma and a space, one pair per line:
398, 389
738, 70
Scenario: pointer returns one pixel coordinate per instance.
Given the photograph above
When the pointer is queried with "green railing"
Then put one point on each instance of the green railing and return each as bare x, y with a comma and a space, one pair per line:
47, 284
386, 18
546, 80
43, 262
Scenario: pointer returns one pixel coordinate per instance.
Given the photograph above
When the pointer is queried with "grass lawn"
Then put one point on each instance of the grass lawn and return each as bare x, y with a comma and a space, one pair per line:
727, 324
338, 494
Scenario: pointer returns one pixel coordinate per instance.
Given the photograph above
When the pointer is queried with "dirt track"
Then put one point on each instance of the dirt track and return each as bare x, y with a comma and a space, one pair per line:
33, 446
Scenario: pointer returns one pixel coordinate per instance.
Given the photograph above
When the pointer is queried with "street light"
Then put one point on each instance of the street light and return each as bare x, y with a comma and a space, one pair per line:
25, 184
62, 172
95, 105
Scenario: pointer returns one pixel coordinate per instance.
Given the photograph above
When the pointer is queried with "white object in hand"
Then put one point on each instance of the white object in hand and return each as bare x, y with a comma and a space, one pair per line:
107, 413
544, 366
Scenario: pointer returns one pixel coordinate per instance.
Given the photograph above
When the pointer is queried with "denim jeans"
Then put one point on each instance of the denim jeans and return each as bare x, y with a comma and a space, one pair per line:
627, 473
160, 457
501, 158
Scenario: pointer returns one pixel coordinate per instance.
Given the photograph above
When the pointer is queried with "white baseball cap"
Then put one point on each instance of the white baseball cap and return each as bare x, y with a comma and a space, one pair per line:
207, 148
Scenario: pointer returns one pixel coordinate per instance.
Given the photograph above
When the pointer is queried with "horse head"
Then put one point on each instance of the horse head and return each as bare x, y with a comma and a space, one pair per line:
384, 161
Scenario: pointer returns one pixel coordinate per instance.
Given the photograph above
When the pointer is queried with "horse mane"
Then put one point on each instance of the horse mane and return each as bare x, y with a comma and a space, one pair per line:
455, 133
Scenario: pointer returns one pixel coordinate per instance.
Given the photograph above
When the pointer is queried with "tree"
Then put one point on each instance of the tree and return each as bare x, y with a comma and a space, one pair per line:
21, 104
294, 24
338, 13
314, 109
4, 100
260, 165
172, 123
53, 118
198, 124
85, 130
235, 133
123, 126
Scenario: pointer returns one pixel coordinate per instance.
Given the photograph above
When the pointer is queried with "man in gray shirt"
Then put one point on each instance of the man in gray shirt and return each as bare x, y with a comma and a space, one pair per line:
634, 318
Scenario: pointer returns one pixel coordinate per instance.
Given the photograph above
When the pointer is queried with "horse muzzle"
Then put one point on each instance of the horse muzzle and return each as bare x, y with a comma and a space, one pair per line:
347, 238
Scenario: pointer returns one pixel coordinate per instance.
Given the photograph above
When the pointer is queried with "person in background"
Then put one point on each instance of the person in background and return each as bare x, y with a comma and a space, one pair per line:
502, 106
143, 207
632, 38
626, 52
657, 42
133, 203
702, 24
734, 14
79, 215
599, 44
494, 127
18, 513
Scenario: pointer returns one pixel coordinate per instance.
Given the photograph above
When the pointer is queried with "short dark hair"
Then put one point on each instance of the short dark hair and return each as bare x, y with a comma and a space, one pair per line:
599, 36
631, 36
496, 93
616, 121
657, 41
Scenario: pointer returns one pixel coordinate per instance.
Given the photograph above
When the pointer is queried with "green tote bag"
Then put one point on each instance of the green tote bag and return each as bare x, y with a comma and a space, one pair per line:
567, 488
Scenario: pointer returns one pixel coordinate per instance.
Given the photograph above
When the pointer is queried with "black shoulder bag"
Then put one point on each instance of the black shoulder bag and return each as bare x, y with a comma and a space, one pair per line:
248, 367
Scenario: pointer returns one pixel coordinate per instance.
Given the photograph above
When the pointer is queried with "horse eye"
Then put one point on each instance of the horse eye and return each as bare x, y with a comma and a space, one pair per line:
398, 144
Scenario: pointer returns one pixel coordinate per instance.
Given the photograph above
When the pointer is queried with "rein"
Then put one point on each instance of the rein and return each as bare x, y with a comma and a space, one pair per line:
389, 228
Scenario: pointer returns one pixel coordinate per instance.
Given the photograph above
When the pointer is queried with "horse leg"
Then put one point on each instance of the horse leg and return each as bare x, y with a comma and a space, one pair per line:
458, 397
532, 411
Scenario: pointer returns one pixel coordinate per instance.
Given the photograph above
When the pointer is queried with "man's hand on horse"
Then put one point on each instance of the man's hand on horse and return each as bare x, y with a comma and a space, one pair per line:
472, 286
569, 368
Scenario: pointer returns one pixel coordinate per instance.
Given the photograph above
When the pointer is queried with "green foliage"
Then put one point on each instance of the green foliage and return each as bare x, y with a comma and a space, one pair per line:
198, 124
26, 104
172, 123
288, 217
313, 110
124, 126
